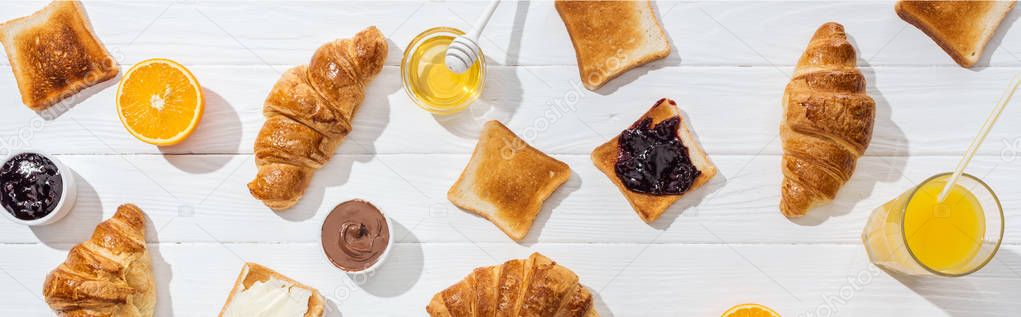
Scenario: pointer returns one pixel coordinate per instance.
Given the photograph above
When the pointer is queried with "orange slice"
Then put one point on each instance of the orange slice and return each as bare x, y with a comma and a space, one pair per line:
750, 310
159, 101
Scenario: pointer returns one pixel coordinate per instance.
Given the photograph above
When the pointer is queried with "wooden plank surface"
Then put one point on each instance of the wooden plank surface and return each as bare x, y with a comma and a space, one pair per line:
724, 244
734, 110
704, 33
798, 280
739, 206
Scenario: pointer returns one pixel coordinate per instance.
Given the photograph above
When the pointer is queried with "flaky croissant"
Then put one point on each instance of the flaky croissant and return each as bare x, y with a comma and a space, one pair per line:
108, 275
827, 122
309, 112
536, 286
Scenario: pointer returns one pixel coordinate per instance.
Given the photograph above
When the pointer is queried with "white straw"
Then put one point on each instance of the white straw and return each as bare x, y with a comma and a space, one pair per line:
1014, 83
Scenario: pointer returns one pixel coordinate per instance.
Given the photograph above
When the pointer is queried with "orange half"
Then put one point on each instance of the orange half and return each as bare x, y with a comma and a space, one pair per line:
159, 101
750, 310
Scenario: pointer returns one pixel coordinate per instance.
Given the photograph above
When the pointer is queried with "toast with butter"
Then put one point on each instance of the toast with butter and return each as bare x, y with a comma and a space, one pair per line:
961, 28
259, 289
55, 54
507, 180
612, 37
650, 206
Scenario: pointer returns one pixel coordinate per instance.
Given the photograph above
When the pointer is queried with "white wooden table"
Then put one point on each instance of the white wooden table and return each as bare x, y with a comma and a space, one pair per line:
722, 245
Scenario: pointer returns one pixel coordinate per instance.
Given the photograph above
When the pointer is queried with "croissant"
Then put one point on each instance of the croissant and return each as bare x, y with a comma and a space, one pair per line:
827, 122
308, 113
108, 275
536, 286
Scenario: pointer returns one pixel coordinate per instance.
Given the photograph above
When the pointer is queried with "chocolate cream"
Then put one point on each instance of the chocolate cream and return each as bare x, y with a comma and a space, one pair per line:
355, 235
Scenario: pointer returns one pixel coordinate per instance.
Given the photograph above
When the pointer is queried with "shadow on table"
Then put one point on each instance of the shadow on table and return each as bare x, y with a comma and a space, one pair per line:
599, 305
886, 134
692, 199
502, 93
161, 270
220, 124
336, 172
994, 42
63, 106
372, 118
632, 75
673, 59
331, 309
78, 224
572, 185
402, 269
960, 296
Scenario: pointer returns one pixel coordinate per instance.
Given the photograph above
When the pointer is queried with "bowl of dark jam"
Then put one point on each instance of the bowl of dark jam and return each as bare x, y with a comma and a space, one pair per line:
35, 188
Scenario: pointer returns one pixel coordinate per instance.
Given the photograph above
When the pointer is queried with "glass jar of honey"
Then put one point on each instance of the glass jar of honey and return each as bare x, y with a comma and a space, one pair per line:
427, 80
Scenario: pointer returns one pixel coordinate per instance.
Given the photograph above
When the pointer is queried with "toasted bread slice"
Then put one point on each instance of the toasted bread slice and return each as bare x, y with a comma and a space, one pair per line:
507, 180
55, 54
648, 206
251, 273
961, 28
612, 37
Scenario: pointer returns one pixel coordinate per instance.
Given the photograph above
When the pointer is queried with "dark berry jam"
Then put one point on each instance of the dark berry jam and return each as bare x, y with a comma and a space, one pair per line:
30, 185
653, 160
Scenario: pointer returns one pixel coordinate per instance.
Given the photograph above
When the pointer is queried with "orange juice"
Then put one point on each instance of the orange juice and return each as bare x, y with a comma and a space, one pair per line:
917, 235
944, 235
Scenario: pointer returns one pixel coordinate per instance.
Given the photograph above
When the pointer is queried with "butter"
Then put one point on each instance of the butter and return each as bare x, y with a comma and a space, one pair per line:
272, 298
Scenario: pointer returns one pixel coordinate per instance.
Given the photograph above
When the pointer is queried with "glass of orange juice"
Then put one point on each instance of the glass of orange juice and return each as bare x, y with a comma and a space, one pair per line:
915, 234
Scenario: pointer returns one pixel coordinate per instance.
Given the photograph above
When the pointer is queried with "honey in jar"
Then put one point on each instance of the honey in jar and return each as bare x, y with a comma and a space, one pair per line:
428, 81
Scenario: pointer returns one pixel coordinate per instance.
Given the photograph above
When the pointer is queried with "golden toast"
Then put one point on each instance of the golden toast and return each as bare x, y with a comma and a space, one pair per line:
54, 54
650, 206
961, 28
252, 273
612, 37
507, 180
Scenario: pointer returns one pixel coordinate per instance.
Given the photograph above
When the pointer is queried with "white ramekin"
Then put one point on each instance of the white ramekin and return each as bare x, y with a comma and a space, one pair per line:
386, 252
68, 193
367, 272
